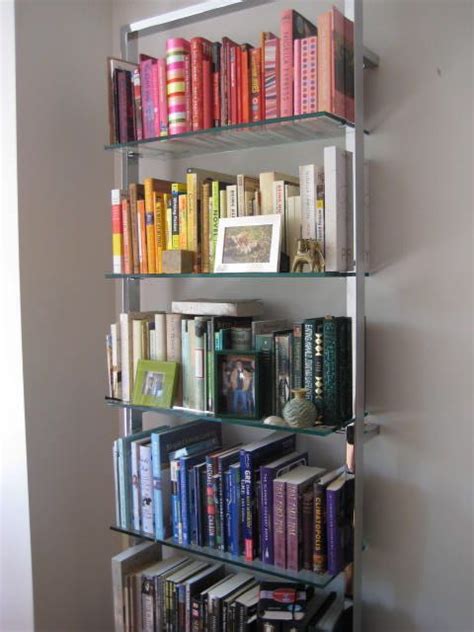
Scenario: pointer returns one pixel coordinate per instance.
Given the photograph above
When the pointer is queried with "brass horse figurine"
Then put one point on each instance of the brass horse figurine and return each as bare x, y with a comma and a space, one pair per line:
308, 252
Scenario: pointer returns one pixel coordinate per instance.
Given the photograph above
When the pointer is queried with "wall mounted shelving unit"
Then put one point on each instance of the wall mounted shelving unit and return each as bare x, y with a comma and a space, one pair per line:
265, 134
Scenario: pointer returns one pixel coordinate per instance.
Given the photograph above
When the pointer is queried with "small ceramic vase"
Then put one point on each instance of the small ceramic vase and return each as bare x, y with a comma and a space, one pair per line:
273, 420
299, 412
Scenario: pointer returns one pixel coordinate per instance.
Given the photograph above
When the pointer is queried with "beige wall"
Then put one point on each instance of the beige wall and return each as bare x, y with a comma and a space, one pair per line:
64, 183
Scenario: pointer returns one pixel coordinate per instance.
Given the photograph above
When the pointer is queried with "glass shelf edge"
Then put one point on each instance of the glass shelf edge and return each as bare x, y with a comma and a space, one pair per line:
237, 275
305, 576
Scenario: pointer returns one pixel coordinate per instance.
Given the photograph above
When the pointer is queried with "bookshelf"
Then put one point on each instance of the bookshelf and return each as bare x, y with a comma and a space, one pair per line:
264, 134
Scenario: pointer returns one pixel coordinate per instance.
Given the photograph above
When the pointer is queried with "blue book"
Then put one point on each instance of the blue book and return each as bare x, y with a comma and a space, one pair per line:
163, 443
124, 473
223, 463
186, 463
228, 510
252, 456
235, 544
198, 504
268, 473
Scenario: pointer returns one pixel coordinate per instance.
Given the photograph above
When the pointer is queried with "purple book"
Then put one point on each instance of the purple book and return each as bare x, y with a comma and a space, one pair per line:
267, 475
340, 509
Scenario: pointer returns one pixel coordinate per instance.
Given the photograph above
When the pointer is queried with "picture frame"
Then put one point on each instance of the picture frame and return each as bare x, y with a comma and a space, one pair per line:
249, 244
237, 387
155, 383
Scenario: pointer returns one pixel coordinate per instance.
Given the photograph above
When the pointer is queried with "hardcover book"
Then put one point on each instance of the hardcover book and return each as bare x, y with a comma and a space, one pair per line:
271, 67
219, 307
340, 530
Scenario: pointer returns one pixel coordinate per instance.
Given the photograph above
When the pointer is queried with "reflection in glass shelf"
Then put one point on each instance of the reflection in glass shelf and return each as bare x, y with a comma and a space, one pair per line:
235, 275
291, 129
184, 413
307, 577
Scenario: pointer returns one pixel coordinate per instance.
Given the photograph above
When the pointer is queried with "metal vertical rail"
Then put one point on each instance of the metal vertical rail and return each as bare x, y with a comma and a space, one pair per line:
132, 420
356, 305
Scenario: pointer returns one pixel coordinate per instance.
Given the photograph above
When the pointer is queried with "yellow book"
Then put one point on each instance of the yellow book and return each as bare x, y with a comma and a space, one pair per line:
193, 232
176, 189
183, 221
168, 221
160, 230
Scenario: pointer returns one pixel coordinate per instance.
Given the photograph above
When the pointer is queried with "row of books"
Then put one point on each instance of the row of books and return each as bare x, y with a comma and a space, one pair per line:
201, 84
162, 215
314, 354
179, 594
260, 500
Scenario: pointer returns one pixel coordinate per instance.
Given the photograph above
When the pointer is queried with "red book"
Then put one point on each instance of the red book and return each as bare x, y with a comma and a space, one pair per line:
206, 94
245, 51
162, 97
309, 66
201, 49
238, 57
137, 99
297, 77
156, 109
125, 106
216, 85
292, 26
226, 92
223, 83
272, 77
256, 84
233, 51
331, 72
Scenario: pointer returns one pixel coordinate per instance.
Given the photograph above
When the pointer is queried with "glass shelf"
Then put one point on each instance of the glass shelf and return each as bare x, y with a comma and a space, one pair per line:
235, 275
184, 413
307, 577
291, 129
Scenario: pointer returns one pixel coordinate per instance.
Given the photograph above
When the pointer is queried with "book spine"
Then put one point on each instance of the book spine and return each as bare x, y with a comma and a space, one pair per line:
116, 361
175, 228
245, 83
266, 511
320, 537
210, 503
205, 226
232, 206
177, 52
216, 79
147, 599
216, 492
160, 230
349, 69
127, 238
330, 371
334, 536
135, 479
160, 531
338, 70
188, 92
214, 223
156, 102
298, 354
223, 82
184, 502
137, 100
207, 94
168, 221
283, 348
335, 209
255, 84
146, 490
293, 527
318, 374
286, 62
176, 525
183, 224
142, 247
347, 368
227, 522
150, 226
185, 363
264, 345
297, 77
173, 347
325, 101
116, 482
162, 97
279, 198
199, 363
196, 619
320, 210
238, 59
307, 175
233, 85
279, 523
122, 484
148, 114
122, 106
197, 82
307, 530
126, 356
308, 345
235, 516
193, 220
117, 232
272, 78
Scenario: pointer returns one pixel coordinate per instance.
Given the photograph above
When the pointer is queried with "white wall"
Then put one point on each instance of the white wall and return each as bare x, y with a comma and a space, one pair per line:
16, 606
419, 568
64, 188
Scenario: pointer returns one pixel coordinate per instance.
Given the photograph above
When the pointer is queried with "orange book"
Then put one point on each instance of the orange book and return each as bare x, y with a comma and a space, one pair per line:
127, 238
160, 230
150, 240
142, 249
245, 82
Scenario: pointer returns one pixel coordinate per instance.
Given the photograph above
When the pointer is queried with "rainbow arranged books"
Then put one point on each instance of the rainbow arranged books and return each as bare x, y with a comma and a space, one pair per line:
198, 84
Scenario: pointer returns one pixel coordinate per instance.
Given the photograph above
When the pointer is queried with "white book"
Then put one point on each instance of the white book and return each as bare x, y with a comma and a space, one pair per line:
116, 363
116, 483
320, 206
138, 351
152, 342
108, 350
218, 307
124, 563
135, 479
267, 178
222, 203
160, 337
335, 209
232, 207
146, 489
293, 226
308, 194
291, 191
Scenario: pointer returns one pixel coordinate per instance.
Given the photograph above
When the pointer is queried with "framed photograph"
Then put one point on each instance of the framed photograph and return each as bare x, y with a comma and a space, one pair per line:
155, 383
248, 244
237, 386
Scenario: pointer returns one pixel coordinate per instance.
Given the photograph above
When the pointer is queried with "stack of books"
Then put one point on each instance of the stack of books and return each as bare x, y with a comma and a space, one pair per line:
162, 215
181, 594
314, 354
199, 84
261, 500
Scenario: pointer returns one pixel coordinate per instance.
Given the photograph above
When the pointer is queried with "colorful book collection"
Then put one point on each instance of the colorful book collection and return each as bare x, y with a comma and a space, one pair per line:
314, 354
200, 84
180, 594
160, 215
260, 500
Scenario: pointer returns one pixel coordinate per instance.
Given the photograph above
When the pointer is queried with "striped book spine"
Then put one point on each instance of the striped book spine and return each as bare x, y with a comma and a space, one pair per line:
272, 77
309, 102
117, 231
177, 53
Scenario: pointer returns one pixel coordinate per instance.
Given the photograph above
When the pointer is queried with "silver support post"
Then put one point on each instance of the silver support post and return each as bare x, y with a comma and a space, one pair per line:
355, 299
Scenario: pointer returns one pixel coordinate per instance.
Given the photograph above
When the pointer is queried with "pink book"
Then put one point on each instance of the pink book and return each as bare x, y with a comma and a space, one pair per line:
293, 26
297, 78
156, 99
325, 101
146, 80
309, 51
338, 74
162, 98
272, 77
349, 80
